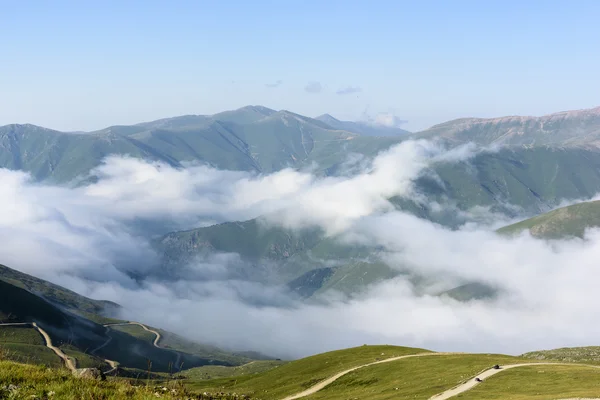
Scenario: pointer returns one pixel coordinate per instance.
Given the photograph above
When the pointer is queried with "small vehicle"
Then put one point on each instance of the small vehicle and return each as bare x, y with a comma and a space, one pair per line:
496, 366
478, 380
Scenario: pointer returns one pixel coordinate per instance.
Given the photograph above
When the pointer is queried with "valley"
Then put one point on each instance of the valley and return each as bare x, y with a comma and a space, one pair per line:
514, 191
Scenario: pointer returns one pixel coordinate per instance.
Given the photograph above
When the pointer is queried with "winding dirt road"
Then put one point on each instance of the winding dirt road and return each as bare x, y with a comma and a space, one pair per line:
155, 343
328, 381
69, 362
471, 383
463, 387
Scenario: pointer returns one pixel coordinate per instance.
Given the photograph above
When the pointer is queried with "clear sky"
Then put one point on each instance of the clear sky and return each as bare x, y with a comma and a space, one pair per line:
84, 65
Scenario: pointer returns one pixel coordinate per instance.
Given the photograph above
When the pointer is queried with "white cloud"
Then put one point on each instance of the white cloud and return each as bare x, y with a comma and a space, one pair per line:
85, 238
386, 119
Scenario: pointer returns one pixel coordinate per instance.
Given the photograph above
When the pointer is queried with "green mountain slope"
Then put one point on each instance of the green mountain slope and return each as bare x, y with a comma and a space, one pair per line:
249, 139
73, 329
580, 128
571, 221
534, 179
56, 294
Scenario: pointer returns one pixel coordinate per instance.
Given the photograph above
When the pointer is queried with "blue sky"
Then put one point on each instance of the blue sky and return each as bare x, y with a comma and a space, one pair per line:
83, 65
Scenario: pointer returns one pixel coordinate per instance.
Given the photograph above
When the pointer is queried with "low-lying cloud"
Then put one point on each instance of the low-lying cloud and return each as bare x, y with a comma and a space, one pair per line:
274, 85
385, 119
313, 87
349, 90
87, 239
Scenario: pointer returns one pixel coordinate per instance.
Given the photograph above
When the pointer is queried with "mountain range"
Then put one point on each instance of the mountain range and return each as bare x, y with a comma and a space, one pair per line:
533, 166
259, 139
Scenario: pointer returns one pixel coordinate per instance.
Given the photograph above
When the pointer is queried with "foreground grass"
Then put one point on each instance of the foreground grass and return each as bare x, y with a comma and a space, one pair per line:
302, 374
411, 378
29, 354
20, 334
37, 382
83, 360
217, 371
539, 383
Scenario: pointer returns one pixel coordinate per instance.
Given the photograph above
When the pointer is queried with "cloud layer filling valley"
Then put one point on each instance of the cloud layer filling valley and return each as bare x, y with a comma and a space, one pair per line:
91, 239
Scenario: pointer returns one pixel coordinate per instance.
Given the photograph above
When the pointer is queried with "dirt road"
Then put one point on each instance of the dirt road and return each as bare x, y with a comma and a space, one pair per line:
335, 377
471, 383
155, 343
69, 362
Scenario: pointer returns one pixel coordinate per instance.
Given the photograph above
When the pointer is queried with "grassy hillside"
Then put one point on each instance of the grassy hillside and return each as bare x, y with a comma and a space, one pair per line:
56, 294
587, 355
252, 240
411, 378
191, 352
301, 374
130, 346
215, 372
534, 179
571, 221
419, 377
539, 383
30, 354
35, 382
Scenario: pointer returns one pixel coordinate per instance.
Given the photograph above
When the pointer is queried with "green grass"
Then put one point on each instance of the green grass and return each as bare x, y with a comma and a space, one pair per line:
29, 354
99, 319
301, 374
135, 331
411, 378
571, 221
37, 382
83, 360
586, 355
175, 342
216, 371
18, 334
538, 383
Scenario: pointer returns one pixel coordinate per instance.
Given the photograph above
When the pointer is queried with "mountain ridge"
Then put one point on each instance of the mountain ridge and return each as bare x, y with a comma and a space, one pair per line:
576, 128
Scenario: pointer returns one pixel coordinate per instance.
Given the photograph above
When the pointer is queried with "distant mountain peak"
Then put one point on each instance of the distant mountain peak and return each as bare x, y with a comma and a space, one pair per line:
577, 128
327, 117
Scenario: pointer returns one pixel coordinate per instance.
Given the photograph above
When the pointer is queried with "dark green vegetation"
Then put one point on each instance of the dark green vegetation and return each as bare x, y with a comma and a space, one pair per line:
211, 355
564, 222
56, 294
82, 338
